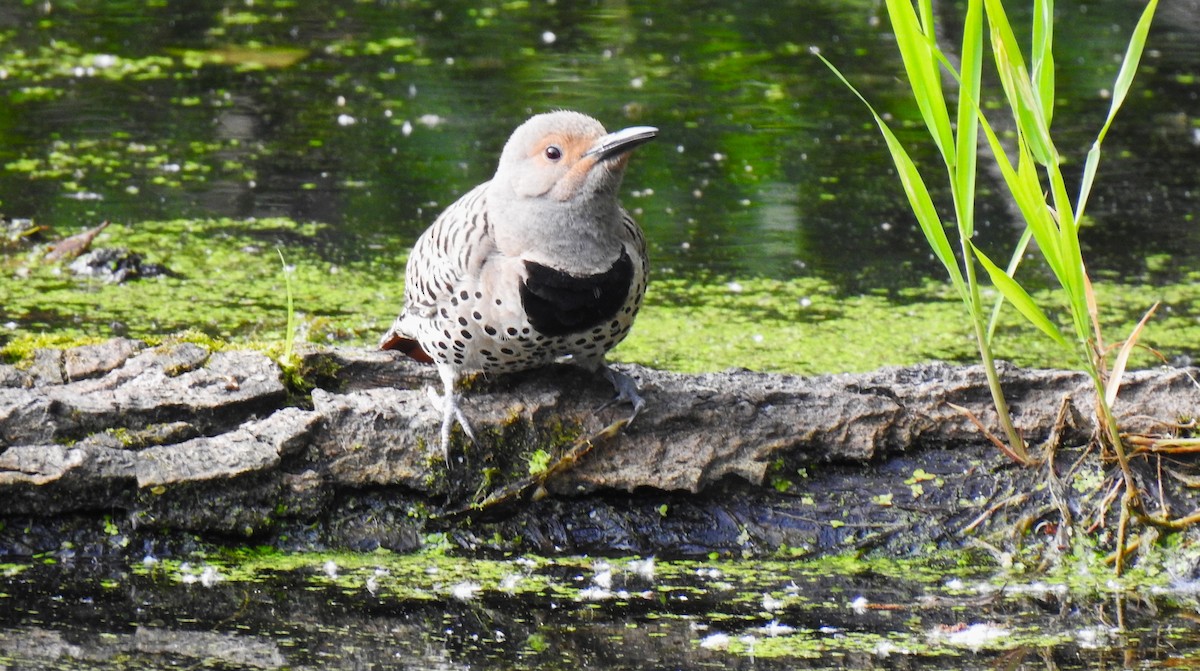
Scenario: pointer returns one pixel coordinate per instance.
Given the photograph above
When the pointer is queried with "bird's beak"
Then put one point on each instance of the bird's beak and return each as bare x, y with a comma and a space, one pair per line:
615, 144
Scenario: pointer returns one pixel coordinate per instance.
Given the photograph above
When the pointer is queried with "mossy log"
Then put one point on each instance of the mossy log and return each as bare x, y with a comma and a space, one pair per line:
175, 445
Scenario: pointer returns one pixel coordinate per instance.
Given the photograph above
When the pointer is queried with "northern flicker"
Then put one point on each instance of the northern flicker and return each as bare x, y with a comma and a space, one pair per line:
539, 264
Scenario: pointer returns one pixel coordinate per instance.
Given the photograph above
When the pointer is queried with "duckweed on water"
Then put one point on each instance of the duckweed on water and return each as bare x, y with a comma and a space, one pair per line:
227, 284
517, 605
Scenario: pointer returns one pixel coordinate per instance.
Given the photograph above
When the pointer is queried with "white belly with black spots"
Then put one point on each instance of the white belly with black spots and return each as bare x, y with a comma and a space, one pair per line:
549, 316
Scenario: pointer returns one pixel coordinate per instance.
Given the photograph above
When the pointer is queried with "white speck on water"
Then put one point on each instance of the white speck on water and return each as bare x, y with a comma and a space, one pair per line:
341, 101
1092, 638
774, 628
330, 568
387, 114
465, 591
209, 576
679, 149
717, 641
886, 648
603, 577
637, 82
406, 128
346, 120
771, 604
685, 245
104, 60
734, 287
594, 594
430, 120
973, 637
509, 582
548, 37
757, 338
886, 226
806, 302
718, 156
642, 568
859, 605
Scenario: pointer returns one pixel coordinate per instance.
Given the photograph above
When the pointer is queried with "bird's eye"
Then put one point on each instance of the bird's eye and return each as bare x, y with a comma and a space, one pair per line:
553, 152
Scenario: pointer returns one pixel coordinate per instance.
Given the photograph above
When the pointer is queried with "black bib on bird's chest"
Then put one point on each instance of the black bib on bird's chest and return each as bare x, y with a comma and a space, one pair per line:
558, 303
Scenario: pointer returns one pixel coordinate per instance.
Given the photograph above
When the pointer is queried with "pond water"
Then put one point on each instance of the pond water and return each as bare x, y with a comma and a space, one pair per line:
370, 117
374, 611
212, 132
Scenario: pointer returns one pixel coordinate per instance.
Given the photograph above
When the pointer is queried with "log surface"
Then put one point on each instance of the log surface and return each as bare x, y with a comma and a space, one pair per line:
177, 445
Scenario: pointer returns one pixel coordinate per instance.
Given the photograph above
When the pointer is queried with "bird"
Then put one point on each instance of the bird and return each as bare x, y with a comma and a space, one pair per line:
539, 264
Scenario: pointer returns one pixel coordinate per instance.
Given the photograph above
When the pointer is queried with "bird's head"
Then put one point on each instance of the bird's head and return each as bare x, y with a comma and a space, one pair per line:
566, 157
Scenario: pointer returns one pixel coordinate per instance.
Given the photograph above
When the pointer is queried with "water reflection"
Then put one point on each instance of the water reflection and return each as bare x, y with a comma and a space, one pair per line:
372, 116
388, 612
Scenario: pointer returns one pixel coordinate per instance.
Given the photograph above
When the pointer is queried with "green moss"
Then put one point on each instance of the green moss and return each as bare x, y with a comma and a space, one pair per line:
19, 350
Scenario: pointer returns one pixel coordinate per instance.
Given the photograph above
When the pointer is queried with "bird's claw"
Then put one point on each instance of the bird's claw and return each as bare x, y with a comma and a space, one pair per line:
451, 413
626, 392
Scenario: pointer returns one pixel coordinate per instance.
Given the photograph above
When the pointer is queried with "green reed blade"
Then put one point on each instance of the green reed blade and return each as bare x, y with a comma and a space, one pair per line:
1129, 66
1014, 293
916, 51
918, 195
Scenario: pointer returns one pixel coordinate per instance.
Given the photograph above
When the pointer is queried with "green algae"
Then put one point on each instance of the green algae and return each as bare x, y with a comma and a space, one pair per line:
945, 605
226, 284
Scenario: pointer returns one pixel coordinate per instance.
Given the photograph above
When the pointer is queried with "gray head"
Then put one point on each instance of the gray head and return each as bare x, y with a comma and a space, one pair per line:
554, 197
565, 156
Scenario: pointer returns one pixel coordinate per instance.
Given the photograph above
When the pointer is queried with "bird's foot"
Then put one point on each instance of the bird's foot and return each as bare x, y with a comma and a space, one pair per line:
627, 392
451, 412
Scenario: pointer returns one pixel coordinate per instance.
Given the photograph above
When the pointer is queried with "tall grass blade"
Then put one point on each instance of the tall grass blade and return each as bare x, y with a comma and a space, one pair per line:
1129, 66
1020, 299
290, 331
1014, 78
1042, 60
1015, 261
918, 195
967, 142
917, 52
1118, 371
